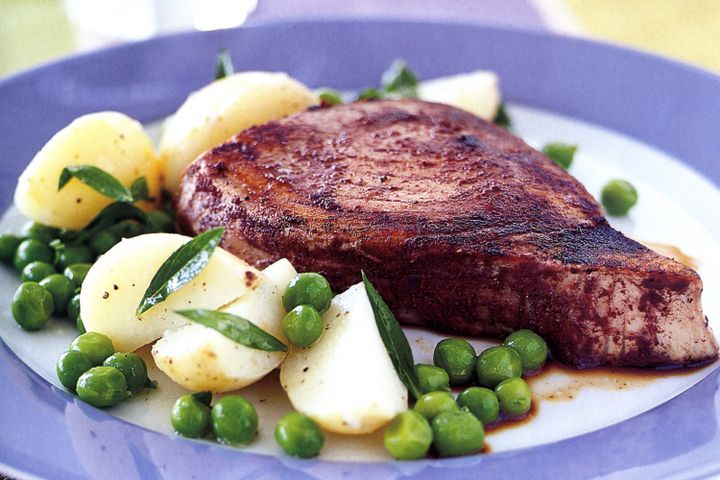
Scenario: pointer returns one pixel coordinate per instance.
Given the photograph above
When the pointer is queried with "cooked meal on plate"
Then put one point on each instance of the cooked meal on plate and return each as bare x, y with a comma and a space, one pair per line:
279, 228
461, 225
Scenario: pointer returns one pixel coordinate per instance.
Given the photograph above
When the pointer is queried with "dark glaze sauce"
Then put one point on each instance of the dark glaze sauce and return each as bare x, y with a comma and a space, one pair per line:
604, 378
505, 423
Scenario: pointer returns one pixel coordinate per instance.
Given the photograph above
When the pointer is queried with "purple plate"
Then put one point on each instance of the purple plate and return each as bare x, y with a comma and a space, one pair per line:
45, 432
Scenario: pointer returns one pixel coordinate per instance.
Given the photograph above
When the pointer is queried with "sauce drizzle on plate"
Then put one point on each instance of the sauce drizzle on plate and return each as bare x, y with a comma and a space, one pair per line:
556, 382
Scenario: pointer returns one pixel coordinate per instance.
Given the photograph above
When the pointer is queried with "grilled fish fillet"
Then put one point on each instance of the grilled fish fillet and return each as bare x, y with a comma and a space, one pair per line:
460, 225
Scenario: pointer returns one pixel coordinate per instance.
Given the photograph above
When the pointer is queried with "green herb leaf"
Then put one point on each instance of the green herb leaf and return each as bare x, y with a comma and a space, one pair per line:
394, 339
236, 329
224, 66
181, 267
400, 80
329, 96
370, 93
108, 216
140, 191
561, 153
97, 179
501, 118
203, 397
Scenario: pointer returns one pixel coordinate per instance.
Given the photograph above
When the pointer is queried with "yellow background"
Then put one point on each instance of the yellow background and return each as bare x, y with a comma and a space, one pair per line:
688, 30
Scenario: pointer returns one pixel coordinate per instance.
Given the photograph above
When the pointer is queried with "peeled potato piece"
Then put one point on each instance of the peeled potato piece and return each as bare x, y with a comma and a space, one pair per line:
476, 92
108, 140
199, 358
213, 114
264, 307
345, 381
115, 284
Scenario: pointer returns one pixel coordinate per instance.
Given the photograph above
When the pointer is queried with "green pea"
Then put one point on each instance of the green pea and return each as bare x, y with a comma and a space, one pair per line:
102, 387
126, 229
457, 357
61, 289
482, 402
514, 396
190, 417
32, 305
8, 245
308, 289
162, 220
457, 432
76, 273
234, 420
370, 93
70, 366
132, 366
80, 325
36, 271
102, 241
618, 197
502, 118
39, 232
432, 378
299, 435
560, 153
73, 308
29, 251
432, 404
68, 255
96, 345
530, 346
408, 436
328, 96
302, 326
496, 364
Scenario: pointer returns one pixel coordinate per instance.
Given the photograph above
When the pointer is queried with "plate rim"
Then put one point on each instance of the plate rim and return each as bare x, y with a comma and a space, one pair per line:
446, 23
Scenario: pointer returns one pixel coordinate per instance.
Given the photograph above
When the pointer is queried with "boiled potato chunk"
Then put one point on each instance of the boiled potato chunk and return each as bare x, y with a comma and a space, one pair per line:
265, 307
476, 92
115, 284
345, 381
199, 358
107, 140
213, 114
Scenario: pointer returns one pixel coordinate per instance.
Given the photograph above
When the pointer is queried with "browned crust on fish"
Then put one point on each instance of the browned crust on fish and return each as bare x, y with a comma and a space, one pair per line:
461, 226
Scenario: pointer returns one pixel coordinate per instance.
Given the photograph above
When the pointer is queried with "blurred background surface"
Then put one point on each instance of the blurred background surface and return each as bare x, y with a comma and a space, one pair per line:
37, 31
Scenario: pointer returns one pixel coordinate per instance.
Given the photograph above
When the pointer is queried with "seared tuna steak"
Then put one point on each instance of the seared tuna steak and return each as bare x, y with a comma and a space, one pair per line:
461, 226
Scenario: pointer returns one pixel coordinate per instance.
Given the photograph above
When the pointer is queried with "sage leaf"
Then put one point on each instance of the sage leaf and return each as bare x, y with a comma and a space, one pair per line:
224, 66
236, 329
97, 179
181, 267
400, 81
396, 343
